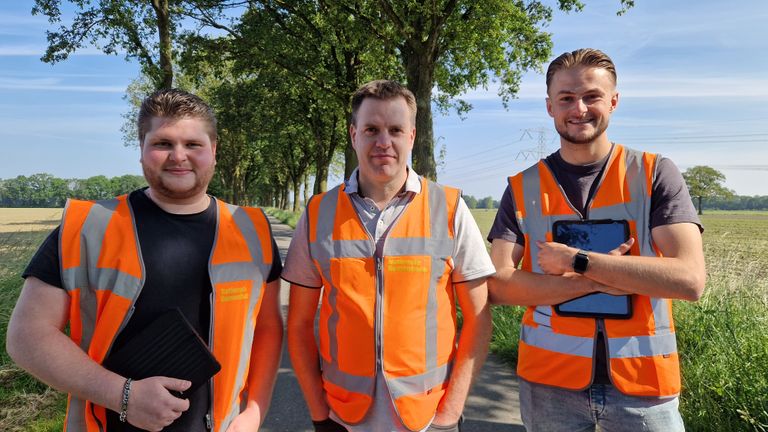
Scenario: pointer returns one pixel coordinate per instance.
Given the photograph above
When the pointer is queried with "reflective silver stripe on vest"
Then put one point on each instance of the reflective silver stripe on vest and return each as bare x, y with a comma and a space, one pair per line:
642, 346
441, 247
542, 315
256, 271
75, 415
353, 383
320, 252
545, 338
419, 384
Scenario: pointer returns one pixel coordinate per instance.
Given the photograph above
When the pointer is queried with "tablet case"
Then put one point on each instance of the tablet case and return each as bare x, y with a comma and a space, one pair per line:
168, 346
598, 236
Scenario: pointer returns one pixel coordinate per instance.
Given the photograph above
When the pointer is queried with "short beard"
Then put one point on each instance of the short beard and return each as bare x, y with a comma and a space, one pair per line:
200, 187
599, 130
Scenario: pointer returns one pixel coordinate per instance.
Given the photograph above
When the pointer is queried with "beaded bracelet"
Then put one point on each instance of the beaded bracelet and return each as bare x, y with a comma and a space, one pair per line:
124, 405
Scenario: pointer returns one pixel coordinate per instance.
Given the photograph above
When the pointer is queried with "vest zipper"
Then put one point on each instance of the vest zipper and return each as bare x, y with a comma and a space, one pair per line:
208, 417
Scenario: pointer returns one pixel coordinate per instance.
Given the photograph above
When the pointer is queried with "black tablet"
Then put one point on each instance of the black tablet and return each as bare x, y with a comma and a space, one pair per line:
168, 346
598, 236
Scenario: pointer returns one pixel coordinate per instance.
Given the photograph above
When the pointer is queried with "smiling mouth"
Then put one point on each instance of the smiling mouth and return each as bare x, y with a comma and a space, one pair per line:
580, 121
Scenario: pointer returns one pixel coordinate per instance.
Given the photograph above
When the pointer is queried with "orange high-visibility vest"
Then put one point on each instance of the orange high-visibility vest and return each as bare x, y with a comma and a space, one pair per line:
103, 273
394, 312
558, 351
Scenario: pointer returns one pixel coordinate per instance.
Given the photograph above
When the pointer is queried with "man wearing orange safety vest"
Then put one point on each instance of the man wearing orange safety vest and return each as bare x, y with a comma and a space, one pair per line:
113, 266
392, 252
620, 372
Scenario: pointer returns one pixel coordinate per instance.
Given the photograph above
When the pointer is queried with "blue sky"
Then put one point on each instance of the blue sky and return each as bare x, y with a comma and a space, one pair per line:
692, 80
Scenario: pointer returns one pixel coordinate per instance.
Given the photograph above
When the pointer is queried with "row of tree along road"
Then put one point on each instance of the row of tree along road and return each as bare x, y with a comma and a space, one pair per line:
45, 190
279, 73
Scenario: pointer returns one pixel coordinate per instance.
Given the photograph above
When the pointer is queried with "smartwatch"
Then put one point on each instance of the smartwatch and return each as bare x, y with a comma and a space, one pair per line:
580, 262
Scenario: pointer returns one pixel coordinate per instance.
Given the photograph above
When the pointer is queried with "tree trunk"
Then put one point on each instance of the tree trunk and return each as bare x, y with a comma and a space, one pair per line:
350, 159
700, 212
296, 193
321, 177
166, 52
420, 71
306, 190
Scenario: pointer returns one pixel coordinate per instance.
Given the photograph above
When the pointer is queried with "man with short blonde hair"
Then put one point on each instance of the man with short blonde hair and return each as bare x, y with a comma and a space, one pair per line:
392, 252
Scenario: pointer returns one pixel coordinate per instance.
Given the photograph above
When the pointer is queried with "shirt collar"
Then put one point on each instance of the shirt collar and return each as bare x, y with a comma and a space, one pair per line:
412, 182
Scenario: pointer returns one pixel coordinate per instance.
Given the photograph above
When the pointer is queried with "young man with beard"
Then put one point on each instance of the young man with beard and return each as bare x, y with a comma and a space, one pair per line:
114, 266
392, 252
578, 372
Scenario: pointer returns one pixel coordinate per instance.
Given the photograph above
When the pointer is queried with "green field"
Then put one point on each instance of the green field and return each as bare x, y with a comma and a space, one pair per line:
723, 338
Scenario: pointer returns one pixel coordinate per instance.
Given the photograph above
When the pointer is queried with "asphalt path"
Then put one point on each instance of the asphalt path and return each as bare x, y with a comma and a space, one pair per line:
492, 405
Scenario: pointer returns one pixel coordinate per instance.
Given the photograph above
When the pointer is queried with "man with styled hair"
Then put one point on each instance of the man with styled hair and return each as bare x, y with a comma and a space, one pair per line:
392, 252
112, 267
582, 364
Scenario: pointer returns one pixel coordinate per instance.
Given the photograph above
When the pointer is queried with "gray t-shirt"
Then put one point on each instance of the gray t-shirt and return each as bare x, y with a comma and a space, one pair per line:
470, 259
670, 203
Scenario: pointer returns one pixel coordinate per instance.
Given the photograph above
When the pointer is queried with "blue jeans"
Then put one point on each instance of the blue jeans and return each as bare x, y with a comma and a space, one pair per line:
551, 409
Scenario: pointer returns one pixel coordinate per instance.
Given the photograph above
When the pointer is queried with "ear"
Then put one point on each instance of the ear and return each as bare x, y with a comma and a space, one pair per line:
352, 134
549, 107
615, 101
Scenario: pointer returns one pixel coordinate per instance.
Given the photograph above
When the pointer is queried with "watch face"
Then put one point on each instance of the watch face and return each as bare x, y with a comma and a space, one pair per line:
580, 262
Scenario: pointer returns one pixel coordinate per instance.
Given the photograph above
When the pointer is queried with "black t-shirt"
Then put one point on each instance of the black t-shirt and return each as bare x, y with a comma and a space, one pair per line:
670, 203
175, 250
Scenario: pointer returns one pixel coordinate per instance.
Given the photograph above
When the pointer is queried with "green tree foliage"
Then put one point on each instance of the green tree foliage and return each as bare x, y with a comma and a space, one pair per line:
705, 182
143, 29
457, 45
45, 190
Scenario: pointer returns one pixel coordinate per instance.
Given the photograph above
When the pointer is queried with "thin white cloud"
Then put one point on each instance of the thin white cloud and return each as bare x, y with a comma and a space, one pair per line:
54, 84
39, 50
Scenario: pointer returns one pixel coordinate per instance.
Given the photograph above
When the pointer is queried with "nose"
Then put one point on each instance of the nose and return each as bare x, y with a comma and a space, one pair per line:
383, 139
178, 153
581, 106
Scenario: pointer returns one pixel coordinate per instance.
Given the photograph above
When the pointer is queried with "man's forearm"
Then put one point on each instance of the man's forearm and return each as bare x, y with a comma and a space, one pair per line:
306, 364
511, 286
651, 276
54, 359
265, 360
470, 356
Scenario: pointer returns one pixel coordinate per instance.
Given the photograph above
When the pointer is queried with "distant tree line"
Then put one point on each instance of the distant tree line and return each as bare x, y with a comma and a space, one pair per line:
45, 190
737, 202
482, 203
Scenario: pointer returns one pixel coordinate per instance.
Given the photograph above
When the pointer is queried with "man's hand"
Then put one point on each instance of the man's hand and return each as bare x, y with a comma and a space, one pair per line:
151, 406
247, 421
443, 419
557, 258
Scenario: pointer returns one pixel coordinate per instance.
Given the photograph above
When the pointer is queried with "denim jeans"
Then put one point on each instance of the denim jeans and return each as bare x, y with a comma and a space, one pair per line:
551, 409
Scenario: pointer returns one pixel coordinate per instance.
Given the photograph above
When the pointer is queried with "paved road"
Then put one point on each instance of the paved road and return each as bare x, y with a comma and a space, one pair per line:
492, 406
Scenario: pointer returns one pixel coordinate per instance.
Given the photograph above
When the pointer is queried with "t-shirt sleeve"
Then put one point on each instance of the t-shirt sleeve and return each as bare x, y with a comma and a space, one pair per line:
299, 268
277, 264
670, 200
505, 225
45, 263
470, 258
